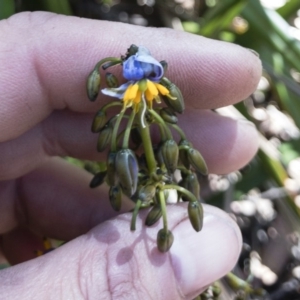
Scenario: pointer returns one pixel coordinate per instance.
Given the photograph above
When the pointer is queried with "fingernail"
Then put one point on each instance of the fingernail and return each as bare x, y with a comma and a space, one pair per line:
200, 258
253, 52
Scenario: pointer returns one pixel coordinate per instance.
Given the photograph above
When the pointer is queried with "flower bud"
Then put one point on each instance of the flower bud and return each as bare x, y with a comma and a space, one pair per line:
93, 84
115, 197
99, 121
98, 179
126, 166
190, 182
104, 138
111, 80
168, 115
146, 193
154, 215
183, 153
110, 165
170, 152
177, 103
164, 240
195, 212
197, 161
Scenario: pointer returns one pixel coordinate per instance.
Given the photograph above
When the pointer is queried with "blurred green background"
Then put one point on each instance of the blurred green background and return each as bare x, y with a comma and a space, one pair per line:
264, 197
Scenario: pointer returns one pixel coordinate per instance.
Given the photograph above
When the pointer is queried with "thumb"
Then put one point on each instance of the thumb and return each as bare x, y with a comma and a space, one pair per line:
111, 262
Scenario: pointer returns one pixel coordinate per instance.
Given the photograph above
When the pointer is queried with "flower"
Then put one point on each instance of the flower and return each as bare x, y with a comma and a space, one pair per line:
144, 73
142, 65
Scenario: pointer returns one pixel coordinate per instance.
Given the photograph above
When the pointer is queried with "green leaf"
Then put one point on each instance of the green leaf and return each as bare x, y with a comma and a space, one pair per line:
7, 8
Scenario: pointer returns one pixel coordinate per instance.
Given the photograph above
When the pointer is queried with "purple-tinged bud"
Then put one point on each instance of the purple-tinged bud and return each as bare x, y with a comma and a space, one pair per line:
170, 152
104, 137
98, 179
183, 153
177, 103
190, 182
168, 115
154, 215
111, 80
164, 240
195, 212
99, 121
146, 193
197, 161
126, 166
93, 85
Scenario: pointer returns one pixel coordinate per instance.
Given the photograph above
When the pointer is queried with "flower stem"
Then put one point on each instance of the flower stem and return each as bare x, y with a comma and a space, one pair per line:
134, 214
162, 122
111, 104
128, 129
107, 59
162, 201
182, 190
146, 140
179, 130
115, 131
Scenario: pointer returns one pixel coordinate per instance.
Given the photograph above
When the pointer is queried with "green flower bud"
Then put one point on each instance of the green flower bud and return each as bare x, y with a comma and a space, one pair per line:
183, 153
197, 161
111, 171
115, 197
164, 240
154, 215
111, 80
99, 121
93, 84
104, 137
168, 115
98, 179
195, 212
126, 166
146, 193
190, 182
175, 100
170, 152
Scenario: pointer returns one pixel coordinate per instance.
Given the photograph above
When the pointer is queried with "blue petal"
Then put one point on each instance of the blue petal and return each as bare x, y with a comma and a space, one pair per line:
117, 92
132, 69
142, 65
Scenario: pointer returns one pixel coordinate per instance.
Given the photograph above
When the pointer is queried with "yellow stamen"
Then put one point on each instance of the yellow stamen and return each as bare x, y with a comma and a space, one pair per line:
149, 96
163, 90
152, 88
138, 97
126, 94
130, 92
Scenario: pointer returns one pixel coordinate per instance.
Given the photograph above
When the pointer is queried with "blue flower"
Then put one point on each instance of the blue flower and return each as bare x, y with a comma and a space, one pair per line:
143, 73
142, 65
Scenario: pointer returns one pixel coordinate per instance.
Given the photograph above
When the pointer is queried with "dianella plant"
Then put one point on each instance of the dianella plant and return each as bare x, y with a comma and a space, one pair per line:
136, 166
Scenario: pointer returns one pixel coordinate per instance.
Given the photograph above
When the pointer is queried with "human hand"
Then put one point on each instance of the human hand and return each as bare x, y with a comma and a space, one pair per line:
44, 112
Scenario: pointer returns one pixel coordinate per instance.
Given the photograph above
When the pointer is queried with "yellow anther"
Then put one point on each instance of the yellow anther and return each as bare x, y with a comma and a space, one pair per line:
152, 88
149, 96
163, 90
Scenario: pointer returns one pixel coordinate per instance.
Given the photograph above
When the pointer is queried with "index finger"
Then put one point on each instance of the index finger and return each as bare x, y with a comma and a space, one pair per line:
46, 58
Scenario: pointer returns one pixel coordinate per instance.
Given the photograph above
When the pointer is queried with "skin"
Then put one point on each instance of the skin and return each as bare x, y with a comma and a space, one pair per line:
45, 113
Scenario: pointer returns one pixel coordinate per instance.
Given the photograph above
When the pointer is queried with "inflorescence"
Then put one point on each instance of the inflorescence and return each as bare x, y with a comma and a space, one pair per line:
136, 166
